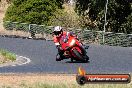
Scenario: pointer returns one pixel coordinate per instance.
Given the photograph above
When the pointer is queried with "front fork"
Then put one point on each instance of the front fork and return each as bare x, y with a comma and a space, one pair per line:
83, 50
81, 46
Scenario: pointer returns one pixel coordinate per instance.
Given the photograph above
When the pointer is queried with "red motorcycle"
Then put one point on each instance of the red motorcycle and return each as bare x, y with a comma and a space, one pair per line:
73, 49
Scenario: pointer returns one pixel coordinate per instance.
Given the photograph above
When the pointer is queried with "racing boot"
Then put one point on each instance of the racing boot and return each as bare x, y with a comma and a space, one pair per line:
59, 57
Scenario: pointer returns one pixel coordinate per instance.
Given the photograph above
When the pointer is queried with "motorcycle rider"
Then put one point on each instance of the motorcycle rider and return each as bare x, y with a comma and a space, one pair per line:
58, 33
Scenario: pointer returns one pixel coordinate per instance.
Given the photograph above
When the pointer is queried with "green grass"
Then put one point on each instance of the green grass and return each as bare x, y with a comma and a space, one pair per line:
44, 85
8, 55
84, 86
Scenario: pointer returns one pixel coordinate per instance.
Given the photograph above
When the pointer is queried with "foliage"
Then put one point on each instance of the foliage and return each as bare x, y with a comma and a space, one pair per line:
38, 84
66, 17
119, 12
32, 11
8, 55
8, 25
127, 27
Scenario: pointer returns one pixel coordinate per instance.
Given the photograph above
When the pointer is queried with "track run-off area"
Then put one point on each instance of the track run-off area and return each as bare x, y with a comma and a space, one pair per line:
42, 54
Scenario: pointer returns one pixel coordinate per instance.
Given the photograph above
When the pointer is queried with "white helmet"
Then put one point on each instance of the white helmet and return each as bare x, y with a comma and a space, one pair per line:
57, 30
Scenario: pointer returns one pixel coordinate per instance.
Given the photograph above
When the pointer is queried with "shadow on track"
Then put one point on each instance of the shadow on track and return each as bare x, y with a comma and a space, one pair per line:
76, 62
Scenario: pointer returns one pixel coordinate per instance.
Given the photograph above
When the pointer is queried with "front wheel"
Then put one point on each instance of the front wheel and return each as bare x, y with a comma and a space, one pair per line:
72, 59
79, 56
86, 58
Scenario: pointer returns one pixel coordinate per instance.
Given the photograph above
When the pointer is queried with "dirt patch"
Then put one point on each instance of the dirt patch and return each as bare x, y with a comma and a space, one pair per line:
3, 59
8, 32
3, 8
17, 79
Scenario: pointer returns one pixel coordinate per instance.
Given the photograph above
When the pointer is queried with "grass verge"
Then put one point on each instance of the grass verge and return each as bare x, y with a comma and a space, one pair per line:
7, 56
46, 85
49, 81
43, 85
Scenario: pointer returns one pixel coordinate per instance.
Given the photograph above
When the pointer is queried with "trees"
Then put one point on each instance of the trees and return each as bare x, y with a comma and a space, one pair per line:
32, 11
119, 12
66, 17
91, 13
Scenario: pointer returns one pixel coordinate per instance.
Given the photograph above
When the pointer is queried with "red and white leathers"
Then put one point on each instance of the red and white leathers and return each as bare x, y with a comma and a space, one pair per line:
57, 39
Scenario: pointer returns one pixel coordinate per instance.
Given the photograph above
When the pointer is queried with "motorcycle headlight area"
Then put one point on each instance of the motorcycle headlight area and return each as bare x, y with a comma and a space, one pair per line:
65, 40
72, 42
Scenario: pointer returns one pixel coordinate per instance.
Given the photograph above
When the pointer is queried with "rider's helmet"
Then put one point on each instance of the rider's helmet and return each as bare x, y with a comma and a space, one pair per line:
58, 31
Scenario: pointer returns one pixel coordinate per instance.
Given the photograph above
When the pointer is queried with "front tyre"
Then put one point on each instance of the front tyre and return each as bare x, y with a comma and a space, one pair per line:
86, 58
78, 55
72, 59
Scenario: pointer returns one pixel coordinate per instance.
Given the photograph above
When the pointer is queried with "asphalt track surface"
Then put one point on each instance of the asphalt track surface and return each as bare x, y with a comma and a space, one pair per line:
103, 59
